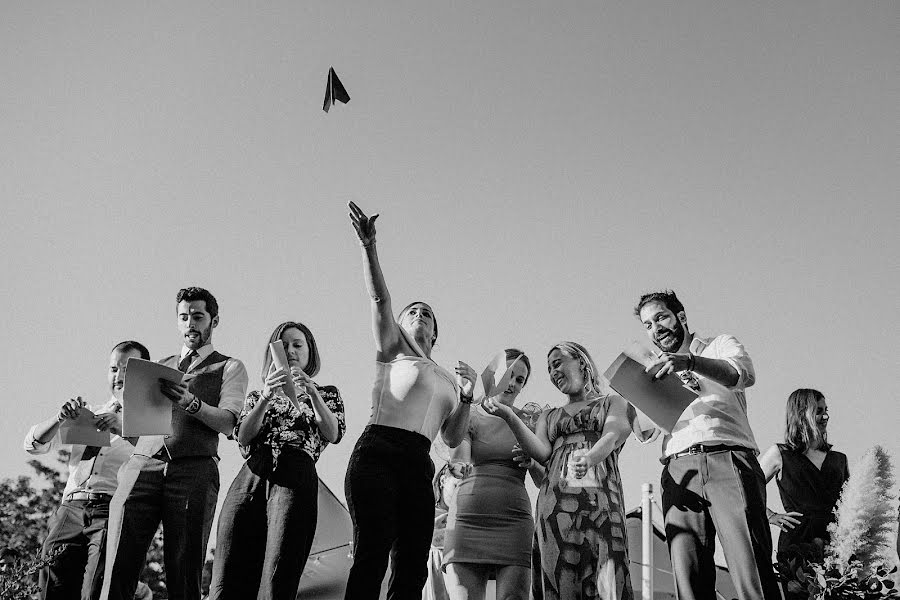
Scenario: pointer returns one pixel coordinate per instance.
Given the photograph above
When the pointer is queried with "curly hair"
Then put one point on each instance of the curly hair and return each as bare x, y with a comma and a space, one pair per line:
190, 294
665, 297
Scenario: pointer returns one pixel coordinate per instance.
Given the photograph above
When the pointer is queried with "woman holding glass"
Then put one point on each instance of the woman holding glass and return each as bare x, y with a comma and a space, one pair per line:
388, 483
581, 517
268, 519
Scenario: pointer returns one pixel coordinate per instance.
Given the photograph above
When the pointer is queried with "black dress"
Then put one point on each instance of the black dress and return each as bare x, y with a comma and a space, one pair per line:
811, 491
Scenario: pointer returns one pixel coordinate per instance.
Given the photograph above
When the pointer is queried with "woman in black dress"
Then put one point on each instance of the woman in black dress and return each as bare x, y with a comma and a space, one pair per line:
810, 475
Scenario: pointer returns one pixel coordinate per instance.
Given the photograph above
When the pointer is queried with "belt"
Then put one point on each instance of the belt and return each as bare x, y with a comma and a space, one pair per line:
706, 449
89, 496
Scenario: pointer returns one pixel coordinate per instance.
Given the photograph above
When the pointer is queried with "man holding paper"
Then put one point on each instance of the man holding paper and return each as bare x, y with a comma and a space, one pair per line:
78, 528
175, 479
711, 480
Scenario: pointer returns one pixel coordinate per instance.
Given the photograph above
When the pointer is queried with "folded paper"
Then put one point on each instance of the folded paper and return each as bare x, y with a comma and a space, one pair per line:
83, 430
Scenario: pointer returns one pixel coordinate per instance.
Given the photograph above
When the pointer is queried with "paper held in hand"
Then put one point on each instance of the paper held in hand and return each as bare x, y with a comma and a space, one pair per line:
145, 410
83, 430
495, 377
662, 400
281, 362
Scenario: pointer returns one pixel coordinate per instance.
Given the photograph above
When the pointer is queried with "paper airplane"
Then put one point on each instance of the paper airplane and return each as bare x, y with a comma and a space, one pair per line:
495, 377
334, 90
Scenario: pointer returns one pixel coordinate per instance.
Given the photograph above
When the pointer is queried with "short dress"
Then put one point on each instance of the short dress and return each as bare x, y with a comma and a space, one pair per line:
811, 491
581, 530
491, 521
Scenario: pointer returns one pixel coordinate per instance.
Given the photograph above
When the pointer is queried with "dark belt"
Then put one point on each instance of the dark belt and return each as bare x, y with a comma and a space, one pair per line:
706, 449
89, 496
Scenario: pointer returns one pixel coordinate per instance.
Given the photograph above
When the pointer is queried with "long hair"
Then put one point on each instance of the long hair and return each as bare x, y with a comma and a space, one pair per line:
312, 365
800, 430
513, 354
576, 350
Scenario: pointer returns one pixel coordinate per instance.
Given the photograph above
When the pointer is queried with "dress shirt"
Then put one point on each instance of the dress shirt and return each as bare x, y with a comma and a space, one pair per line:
98, 474
719, 414
234, 379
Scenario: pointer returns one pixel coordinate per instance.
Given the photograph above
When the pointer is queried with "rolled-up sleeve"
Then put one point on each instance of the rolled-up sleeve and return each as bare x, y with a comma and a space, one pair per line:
32, 446
234, 387
729, 349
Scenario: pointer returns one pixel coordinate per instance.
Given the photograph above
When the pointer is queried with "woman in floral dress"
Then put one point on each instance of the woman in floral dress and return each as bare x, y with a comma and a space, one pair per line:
268, 520
580, 512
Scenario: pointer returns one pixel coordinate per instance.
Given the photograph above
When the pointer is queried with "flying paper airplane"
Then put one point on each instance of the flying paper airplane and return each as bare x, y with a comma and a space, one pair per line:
334, 90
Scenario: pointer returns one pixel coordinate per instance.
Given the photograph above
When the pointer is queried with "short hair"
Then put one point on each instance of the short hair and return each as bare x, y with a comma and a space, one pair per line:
665, 297
312, 365
513, 354
800, 430
433, 316
129, 345
190, 294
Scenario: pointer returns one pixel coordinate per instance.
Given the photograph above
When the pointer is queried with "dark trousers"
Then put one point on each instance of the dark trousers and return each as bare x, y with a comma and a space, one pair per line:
391, 502
266, 528
182, 494
722, 492
77, 533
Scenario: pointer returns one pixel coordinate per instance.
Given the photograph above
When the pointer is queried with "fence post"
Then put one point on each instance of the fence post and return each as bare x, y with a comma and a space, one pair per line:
647, 541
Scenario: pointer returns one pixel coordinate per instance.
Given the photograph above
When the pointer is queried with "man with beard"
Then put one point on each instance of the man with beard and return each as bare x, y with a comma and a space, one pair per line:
711, 480
175, 479
76, 536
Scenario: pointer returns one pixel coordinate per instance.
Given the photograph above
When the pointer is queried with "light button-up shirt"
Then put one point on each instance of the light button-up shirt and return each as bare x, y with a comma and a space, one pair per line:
97, 474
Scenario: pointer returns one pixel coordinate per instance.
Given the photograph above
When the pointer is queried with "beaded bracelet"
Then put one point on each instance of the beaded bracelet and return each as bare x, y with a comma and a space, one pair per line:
466, 399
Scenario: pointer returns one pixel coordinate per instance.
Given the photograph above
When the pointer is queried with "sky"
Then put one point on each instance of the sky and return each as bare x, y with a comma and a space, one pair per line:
536, 169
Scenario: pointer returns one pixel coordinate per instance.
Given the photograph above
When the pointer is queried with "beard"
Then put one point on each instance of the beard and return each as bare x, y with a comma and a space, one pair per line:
202, 338
675, 339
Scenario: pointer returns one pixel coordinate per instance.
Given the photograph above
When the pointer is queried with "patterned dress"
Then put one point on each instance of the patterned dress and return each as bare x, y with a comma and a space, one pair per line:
581, 530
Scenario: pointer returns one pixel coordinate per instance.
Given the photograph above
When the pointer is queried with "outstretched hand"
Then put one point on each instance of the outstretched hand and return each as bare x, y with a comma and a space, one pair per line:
465, 378
364, 226
494, 407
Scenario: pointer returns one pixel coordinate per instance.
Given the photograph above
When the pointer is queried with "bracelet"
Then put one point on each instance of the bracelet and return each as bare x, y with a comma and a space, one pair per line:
367, 246
194, 407
466, 399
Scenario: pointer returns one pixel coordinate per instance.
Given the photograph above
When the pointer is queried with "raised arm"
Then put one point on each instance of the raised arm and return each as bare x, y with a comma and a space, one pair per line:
387, 336
455, 426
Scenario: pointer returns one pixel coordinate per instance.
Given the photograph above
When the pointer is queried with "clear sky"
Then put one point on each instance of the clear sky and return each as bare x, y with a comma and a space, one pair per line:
536, 169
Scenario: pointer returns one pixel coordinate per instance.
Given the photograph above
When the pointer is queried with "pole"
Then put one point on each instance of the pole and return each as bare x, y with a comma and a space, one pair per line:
647, 541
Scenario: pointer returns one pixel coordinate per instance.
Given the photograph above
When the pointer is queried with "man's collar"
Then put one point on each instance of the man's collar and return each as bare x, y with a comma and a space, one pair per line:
698, 344
202, 352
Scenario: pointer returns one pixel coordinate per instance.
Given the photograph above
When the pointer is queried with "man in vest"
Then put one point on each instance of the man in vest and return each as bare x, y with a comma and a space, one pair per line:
176, 479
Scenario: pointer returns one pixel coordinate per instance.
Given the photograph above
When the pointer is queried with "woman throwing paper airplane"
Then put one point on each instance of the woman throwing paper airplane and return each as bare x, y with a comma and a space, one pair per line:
388, 484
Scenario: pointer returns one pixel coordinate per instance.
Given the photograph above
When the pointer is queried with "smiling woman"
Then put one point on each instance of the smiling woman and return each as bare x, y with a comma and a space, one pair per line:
580, 512
809, 473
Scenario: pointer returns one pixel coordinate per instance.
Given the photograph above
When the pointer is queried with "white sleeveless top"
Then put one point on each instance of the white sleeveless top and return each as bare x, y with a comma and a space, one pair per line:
412, 393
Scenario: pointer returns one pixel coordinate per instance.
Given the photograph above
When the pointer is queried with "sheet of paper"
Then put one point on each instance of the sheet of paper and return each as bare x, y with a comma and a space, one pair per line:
145, 411
83, 430
662, 400
281, 362
495, 377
